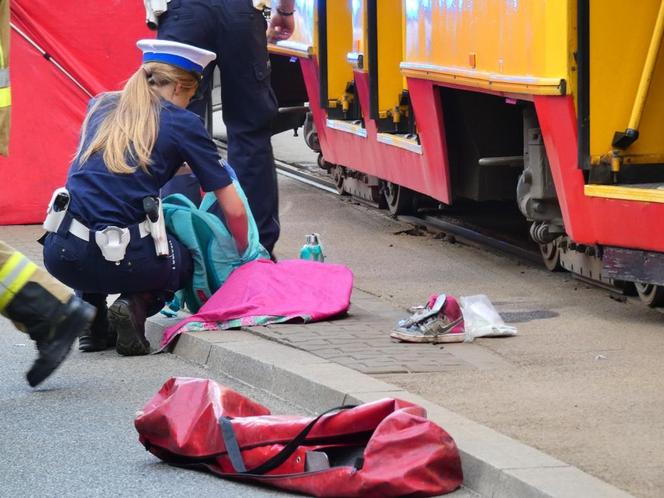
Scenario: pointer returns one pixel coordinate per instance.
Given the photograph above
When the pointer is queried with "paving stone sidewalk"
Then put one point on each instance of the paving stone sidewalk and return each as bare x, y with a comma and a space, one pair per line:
361, 341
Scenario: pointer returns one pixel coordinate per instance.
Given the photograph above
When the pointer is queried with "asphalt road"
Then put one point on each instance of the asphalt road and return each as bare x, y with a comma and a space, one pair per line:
74, 434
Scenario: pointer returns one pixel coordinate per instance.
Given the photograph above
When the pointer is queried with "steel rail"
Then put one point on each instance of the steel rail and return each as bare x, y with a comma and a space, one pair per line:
295, 173
473, 235
291, 171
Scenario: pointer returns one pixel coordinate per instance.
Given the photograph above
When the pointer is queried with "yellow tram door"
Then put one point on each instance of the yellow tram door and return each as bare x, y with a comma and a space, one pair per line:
338, 94
378, 47
621, 98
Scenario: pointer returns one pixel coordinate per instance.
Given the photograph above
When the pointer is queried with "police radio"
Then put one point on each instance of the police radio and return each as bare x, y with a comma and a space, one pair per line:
156, 224
57, 209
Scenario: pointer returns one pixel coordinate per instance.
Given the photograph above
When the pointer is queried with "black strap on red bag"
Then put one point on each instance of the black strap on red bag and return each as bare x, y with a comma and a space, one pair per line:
235, 454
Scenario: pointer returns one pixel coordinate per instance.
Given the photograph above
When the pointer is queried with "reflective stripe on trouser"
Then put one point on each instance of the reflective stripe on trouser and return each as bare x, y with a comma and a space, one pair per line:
16, 270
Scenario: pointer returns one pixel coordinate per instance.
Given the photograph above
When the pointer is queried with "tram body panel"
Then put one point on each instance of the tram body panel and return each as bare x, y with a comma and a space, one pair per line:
426, 172
390, 40
339, 43
506, 45
620, 35
593, 220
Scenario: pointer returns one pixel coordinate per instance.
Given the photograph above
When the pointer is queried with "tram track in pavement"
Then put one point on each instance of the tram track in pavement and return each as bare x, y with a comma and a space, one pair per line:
433, 221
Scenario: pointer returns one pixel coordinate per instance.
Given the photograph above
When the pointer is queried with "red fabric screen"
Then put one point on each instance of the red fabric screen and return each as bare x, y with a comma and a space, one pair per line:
95, 42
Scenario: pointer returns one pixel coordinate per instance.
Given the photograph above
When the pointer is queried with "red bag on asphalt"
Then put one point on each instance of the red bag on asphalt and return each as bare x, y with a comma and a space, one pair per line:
380, 449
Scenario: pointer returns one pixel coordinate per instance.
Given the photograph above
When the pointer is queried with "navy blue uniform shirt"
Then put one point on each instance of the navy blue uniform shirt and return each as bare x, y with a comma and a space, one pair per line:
100, 198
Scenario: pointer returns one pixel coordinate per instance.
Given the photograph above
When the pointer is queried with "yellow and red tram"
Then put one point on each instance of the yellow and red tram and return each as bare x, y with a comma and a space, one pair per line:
555, 104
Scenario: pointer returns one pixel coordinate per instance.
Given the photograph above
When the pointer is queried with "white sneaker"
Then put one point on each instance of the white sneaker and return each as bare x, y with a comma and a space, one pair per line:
434, 330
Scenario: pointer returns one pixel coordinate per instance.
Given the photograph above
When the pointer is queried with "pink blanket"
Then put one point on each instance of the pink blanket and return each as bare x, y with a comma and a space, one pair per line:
263, 292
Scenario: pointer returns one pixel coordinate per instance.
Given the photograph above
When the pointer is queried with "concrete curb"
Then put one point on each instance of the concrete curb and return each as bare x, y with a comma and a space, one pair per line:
494, 465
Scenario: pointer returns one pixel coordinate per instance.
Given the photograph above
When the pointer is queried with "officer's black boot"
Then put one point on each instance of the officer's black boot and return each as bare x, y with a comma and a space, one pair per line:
127, 316
100, 335
51, 324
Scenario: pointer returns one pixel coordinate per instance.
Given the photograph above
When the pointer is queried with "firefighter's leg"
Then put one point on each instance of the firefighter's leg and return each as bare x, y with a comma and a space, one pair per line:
43, 308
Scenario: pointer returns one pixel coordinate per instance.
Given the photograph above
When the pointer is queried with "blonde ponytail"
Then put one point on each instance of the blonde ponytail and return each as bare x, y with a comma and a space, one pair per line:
129, 131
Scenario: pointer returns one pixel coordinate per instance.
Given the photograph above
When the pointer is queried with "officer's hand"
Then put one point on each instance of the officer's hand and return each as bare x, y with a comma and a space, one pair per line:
281, 27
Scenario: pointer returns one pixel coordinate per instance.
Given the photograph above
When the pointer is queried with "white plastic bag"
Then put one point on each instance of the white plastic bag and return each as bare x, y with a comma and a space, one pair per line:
482, 320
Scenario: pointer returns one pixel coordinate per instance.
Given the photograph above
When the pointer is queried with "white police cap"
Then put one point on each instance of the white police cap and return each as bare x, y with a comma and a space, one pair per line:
177, 54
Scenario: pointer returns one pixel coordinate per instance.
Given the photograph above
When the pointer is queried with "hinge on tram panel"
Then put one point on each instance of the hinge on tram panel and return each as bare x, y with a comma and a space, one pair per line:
399, 119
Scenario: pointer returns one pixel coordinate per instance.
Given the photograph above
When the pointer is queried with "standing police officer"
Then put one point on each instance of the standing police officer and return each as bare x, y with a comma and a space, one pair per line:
236, 31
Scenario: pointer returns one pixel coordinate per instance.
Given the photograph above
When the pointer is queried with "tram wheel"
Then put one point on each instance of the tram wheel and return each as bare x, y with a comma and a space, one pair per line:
323, 164
338, 178
551, 256
652, 295
400, 200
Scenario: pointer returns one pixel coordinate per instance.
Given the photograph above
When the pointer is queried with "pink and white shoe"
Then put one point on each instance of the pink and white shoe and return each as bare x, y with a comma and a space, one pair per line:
441, 321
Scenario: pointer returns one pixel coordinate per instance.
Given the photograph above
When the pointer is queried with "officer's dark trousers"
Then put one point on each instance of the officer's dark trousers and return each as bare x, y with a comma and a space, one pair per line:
80, 265
235, 31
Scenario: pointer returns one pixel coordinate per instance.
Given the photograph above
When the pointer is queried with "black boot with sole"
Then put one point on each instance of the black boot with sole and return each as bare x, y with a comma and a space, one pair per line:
100, 336
52, 324
127, 316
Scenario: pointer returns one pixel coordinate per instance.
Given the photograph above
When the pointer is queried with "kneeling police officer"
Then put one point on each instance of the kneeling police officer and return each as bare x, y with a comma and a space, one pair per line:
106, 227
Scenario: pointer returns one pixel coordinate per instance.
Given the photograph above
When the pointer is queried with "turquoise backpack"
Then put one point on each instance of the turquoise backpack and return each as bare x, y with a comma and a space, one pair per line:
211, 244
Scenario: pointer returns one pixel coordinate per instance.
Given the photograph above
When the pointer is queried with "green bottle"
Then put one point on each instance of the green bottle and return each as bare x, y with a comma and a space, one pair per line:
312, 249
